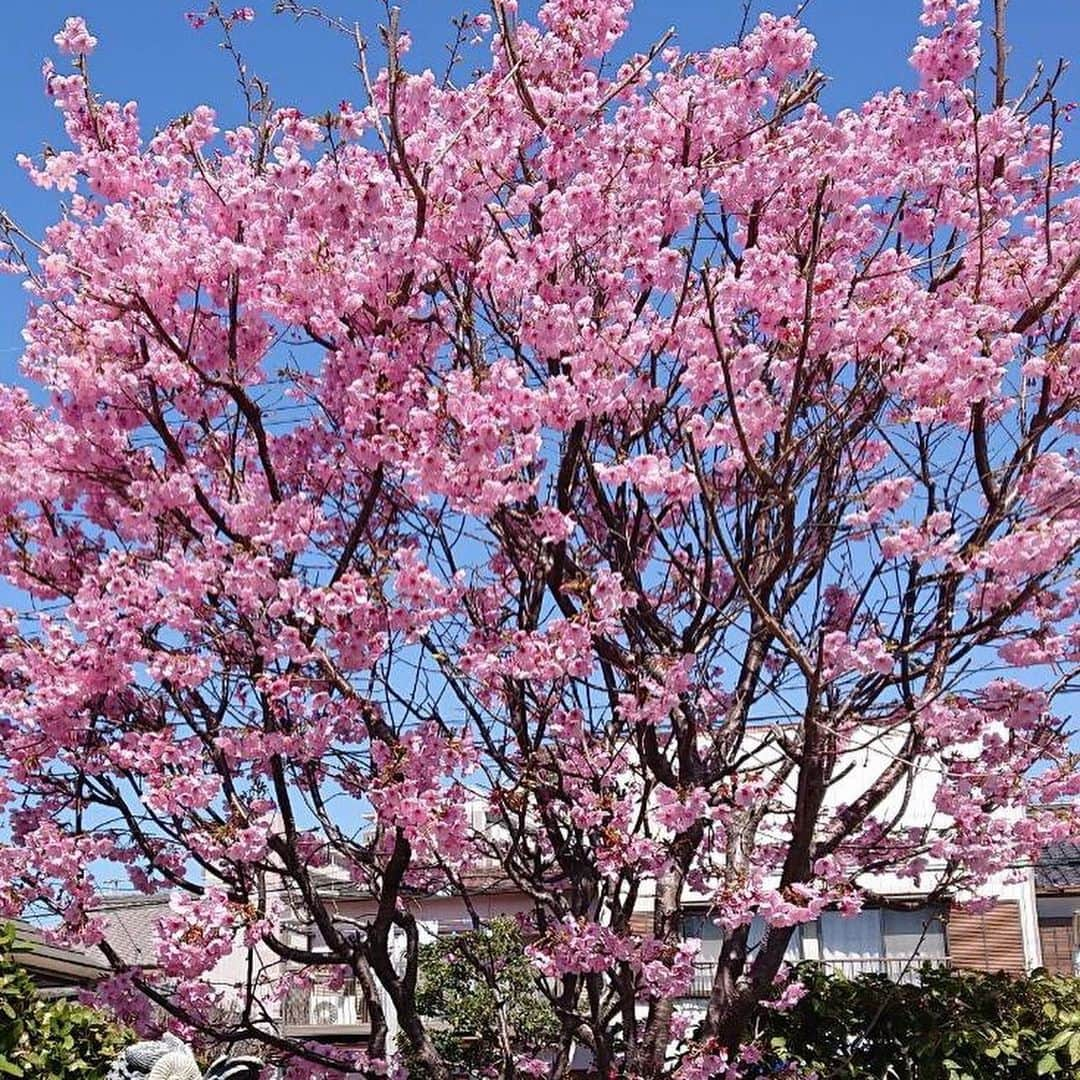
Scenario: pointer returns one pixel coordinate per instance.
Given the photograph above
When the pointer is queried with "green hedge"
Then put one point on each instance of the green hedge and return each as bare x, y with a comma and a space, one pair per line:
952, 1026
49, 1040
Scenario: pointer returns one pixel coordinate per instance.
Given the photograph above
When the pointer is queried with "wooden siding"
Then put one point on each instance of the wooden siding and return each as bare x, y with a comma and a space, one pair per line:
991, 941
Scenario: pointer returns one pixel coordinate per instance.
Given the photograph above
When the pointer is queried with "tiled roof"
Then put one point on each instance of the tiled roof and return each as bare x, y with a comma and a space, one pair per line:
131, 920
1058, 867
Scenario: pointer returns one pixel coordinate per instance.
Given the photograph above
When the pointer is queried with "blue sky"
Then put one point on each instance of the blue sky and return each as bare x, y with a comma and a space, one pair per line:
148, 53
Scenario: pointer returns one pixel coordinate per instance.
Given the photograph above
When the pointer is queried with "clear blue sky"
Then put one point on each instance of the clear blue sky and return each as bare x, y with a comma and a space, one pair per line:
148, 52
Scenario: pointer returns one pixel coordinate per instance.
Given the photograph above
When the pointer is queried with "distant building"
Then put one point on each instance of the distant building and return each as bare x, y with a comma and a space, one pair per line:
1034, 922
1057, 889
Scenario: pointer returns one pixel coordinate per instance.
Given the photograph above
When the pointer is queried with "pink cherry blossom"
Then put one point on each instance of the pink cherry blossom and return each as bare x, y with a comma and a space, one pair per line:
74, 38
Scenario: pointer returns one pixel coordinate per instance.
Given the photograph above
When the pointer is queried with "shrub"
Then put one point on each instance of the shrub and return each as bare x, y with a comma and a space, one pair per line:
952, 1026
481, 993
49, 1040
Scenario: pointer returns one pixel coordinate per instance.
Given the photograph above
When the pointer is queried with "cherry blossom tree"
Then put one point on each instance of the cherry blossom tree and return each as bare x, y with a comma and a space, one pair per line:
616, 442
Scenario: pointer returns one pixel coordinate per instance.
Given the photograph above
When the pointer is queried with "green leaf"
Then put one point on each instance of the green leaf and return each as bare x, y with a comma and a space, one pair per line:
1048, 1063
1059, 1040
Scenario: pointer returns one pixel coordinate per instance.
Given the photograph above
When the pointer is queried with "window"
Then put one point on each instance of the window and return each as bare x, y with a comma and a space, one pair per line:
890, 942
882, 940
311, 937
918, 933
793, 952
701, 925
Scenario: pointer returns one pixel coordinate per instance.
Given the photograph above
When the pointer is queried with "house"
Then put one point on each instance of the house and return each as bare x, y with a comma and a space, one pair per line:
1057, 898
324, 1013
895, 941
901, 933
63, 971
1032, 923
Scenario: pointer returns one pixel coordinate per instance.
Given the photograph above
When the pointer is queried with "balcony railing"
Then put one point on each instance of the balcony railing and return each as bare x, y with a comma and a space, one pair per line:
900, 969
321, 1008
